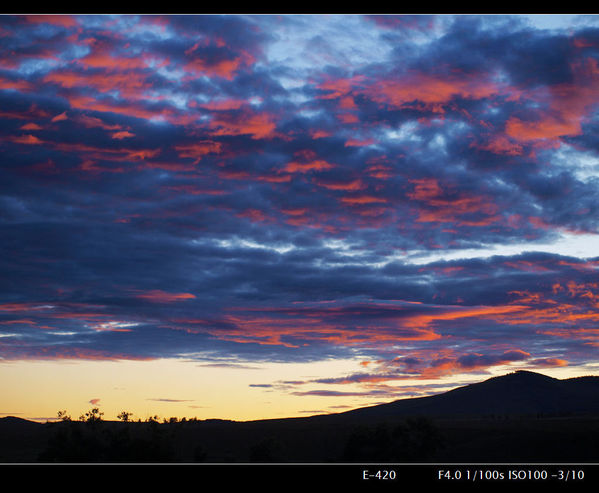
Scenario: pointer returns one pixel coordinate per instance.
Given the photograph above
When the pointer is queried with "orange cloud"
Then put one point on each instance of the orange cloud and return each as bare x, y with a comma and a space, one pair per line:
130, 84
72, 353
100, 57
566, 106
159, 296
221, 105
258, 126
199, 149
67, 21
470, 362
339, 185
294, 212
460, 312
442, 207
348, 118
122, 135
104, 153
527, 266
226, 68
548, 128
339, 87
191, 189
59, 118
255, 215
359, 143
319, 134
318, 165
274, 178
380, 171
272, 331
549, 362
93, 122
362, 199
123, 108
26, 139
500, 144
18, 85
31, 126
429, 90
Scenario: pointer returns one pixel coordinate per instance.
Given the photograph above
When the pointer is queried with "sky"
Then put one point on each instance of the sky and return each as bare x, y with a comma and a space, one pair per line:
263, 216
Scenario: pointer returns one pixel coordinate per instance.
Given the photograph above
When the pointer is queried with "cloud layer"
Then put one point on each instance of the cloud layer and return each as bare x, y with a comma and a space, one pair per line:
266, 188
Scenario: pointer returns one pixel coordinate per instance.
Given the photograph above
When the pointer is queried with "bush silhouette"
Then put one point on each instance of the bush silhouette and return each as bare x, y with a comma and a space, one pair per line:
124, 416
92, 440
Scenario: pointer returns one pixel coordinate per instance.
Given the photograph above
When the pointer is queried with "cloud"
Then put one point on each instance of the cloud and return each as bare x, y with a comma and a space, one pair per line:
170, 400
338, 393
159, 296
240, 189
58, 118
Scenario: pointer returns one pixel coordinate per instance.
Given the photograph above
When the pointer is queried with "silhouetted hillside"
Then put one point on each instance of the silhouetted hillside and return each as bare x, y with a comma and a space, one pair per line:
519, 393
19, 437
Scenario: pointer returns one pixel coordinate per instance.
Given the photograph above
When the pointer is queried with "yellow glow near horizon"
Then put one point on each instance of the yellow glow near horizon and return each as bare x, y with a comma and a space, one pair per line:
165, 387
37, 390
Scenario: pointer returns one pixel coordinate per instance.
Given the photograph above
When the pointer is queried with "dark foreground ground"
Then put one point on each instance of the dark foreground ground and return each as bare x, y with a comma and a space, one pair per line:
329, 439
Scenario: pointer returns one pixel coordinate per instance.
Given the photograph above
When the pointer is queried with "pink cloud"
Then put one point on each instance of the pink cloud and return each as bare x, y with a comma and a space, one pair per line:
159, 296
59, 118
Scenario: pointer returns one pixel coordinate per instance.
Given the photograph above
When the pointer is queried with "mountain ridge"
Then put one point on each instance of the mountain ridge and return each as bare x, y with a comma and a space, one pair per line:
519, 392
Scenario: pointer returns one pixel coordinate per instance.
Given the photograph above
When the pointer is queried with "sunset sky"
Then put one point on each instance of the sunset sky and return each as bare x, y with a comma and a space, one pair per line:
260, 216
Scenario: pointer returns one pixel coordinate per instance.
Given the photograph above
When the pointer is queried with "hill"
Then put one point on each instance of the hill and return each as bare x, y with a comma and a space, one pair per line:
519, 393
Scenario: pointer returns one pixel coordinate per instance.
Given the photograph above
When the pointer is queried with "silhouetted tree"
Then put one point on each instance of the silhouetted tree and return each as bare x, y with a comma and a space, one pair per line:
85, 441
124, 416
92, 416
75, 441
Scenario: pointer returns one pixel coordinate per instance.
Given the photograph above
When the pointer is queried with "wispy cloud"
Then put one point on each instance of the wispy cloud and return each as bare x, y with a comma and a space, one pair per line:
170, 400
